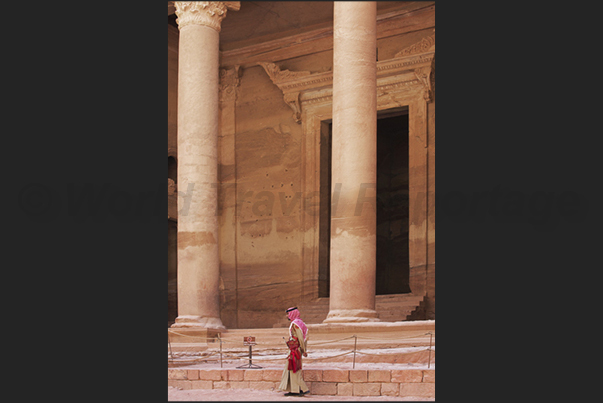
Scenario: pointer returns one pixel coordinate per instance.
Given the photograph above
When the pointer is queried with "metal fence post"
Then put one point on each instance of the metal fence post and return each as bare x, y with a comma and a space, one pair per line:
219, 338
429, 362
355, 341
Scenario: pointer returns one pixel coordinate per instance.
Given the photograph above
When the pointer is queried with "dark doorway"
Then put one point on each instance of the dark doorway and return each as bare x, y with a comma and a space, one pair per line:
392, 202
324, 219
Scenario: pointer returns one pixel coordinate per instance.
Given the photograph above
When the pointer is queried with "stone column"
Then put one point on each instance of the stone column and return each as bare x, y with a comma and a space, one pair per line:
354, 163
198, 79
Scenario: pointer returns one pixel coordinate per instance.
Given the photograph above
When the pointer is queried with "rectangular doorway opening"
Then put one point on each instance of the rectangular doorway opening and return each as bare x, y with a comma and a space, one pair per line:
324, 219
392, 202
393, 269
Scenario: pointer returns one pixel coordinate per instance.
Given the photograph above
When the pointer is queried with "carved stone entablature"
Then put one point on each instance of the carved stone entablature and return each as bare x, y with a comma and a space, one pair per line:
404, 75
207, 13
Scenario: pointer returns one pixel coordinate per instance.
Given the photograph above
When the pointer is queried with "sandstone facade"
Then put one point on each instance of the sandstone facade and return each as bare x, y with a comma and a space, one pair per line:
259, 137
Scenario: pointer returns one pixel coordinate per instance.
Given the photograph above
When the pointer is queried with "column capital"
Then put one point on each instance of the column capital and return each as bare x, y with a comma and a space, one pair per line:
207, 13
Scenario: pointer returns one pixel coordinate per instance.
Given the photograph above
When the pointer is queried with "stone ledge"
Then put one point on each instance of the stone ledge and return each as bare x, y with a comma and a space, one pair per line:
394, 382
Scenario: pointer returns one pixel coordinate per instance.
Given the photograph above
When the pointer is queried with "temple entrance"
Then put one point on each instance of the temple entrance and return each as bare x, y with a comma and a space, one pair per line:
324, 221
392, 204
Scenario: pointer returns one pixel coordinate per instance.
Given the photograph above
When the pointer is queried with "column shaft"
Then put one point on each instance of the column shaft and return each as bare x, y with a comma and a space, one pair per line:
198, 253
354, 163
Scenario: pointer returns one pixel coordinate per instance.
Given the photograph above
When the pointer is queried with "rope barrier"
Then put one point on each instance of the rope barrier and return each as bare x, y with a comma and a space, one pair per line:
331, 341
310, 359
187, 335
324, 358
397, 338
316, 343
408, 352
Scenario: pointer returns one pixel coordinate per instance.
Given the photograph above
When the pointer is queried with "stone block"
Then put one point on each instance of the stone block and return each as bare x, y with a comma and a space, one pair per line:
262, 385
323, 388
358, 375
335, 375
406, 375
253, 375
379, 375
235, 374
201, 384
367, 389
417, 390
429, 375
179, 383
239, 385
210, 375
222, 385
230, 384
273, 375
345, 389
390, 389
174, 373
192, 374
312, 375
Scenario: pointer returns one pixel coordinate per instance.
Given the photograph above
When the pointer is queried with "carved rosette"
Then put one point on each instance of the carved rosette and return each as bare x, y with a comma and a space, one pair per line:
206, 13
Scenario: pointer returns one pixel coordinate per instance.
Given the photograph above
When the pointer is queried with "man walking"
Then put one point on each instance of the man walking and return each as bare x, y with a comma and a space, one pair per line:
292, 381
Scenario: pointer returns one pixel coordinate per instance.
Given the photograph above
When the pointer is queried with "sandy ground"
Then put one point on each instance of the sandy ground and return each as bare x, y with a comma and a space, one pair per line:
175, 394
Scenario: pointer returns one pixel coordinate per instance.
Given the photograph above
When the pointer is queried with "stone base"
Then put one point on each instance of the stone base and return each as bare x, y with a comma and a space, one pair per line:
405, 383
185, 321
351, 315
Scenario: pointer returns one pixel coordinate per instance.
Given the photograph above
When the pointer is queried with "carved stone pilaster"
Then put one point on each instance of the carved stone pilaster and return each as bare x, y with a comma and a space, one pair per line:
229, 82
206, 13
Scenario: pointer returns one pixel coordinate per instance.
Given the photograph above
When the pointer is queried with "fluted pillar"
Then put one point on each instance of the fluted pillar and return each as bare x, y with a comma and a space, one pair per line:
198, 79
354, 163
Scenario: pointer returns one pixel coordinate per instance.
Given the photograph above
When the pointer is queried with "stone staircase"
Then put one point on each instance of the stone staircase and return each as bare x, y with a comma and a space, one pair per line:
391, 308
396, 307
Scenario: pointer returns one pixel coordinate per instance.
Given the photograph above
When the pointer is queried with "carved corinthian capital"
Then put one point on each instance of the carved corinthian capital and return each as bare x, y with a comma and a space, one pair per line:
207, 13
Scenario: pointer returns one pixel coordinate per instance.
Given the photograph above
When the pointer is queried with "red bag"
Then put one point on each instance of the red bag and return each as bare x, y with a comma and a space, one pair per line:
294, 357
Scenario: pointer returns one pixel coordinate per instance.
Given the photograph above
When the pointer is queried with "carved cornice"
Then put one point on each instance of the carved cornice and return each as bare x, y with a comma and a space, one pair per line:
287, 81
282, 77
411, 71
206, 13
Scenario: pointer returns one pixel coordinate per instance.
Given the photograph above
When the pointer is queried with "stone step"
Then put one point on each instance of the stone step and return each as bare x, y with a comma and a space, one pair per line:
370, 335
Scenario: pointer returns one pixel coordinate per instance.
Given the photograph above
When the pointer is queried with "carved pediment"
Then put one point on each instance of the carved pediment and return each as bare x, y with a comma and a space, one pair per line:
427, 44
